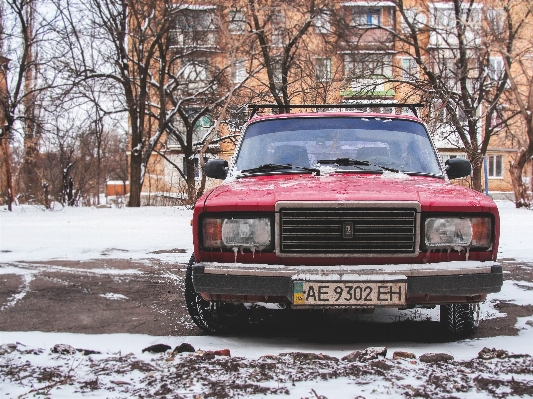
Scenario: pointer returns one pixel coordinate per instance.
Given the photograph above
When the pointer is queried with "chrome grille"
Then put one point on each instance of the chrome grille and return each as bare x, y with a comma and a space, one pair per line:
375, 231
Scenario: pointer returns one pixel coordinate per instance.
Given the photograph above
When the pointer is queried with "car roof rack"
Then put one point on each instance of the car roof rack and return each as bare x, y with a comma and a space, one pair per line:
412, 107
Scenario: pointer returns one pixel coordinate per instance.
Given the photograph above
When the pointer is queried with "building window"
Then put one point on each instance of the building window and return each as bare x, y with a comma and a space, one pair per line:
323, 69
367, 65
322, 23
201, 128
278, 29
444, 157
496, 68
409, 69
415, 17
495, 166
496, 18
195, 71
276, 70
196, 74
441, 114
444, 17
195, 27
237, 22
443, 20
365, 17
239, 71
496, 120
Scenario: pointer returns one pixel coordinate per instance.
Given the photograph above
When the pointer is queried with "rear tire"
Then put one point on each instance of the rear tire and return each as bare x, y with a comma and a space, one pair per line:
460, 319
212, 317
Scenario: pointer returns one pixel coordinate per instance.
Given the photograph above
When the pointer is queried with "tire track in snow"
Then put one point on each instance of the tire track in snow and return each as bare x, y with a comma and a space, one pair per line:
23, 290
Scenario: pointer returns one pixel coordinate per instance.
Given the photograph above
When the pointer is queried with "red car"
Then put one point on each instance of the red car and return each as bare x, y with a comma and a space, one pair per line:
342, 210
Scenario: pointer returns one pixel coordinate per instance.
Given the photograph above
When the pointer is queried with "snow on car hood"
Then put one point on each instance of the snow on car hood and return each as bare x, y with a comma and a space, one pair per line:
262, 193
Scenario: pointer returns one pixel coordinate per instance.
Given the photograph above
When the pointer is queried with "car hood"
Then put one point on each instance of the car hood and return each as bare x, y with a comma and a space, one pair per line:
262, 193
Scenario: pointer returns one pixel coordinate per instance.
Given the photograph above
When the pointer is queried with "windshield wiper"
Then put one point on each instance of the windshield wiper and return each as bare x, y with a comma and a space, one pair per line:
343, 162
273, 167
268, 167
413, 173
354, 162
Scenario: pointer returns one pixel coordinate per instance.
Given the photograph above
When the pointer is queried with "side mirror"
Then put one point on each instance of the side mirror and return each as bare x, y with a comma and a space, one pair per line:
216, 168
457, 168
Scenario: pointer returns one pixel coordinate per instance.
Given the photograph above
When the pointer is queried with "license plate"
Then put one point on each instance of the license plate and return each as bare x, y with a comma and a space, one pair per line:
353, 293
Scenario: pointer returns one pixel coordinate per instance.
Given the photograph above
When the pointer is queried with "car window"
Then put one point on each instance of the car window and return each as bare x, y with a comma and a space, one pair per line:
394, 143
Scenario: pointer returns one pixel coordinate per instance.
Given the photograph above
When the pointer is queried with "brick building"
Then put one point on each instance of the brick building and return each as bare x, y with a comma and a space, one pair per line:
351, 52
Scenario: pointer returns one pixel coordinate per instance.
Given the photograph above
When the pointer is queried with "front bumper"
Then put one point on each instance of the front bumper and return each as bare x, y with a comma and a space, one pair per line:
426, 284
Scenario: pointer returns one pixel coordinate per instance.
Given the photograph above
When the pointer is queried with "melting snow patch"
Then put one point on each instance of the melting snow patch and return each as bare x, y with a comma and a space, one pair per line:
115, 297
13, 299
393, 175
517, 292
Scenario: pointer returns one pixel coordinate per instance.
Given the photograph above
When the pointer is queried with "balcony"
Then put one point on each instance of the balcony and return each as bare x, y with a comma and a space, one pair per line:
369, 87
196, 39
374, 37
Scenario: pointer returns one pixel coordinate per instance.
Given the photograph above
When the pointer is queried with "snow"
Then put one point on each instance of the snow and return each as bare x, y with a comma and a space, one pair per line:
515, 242
115, 297
32, 234
394, 175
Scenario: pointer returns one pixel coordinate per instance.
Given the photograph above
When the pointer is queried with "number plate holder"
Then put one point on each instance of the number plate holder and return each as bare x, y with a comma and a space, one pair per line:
358, 293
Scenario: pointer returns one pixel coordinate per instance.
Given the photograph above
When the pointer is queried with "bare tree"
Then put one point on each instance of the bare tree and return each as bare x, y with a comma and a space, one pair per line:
442, 57
197, 86
27, 47
518, 16
117, 41
75, 159
282, 32
157, 57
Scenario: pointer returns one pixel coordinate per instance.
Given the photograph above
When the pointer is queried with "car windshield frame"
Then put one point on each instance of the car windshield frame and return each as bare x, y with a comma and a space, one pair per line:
373, 144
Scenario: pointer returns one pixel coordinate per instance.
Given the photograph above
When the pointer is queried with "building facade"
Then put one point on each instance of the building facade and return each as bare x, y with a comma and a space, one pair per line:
347, 51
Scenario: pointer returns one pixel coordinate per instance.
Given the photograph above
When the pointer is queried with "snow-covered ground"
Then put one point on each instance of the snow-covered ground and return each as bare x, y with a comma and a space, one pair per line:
32, 234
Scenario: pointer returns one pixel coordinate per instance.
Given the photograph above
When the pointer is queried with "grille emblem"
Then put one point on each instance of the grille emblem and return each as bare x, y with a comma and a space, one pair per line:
347, 230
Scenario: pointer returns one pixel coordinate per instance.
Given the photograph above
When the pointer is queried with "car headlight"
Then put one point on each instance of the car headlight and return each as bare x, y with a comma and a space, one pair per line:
468, 232
253, 233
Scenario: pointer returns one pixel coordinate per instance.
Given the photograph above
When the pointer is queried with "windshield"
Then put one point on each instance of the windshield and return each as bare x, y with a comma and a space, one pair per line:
397, 144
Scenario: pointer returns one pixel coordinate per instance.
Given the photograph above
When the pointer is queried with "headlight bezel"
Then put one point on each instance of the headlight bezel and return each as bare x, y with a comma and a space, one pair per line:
472, 246
221, 246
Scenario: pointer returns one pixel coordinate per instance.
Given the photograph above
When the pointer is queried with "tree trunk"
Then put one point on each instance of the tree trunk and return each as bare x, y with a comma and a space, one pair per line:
28, 173
477, 165
135, 179
201, 189
46, 190
9, 179
191, 183
70, 192
98, 169
521, 196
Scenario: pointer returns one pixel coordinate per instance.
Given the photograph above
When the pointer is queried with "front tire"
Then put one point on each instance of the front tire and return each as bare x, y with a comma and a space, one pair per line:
460, 319
212, 317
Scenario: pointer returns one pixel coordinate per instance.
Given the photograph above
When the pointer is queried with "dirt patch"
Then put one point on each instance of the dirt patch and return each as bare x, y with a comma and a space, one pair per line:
517, 271
503, 325
104, 296
146, 297
8, 289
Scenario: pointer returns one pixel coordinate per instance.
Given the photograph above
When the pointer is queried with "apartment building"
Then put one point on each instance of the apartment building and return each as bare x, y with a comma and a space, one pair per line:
353, 51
